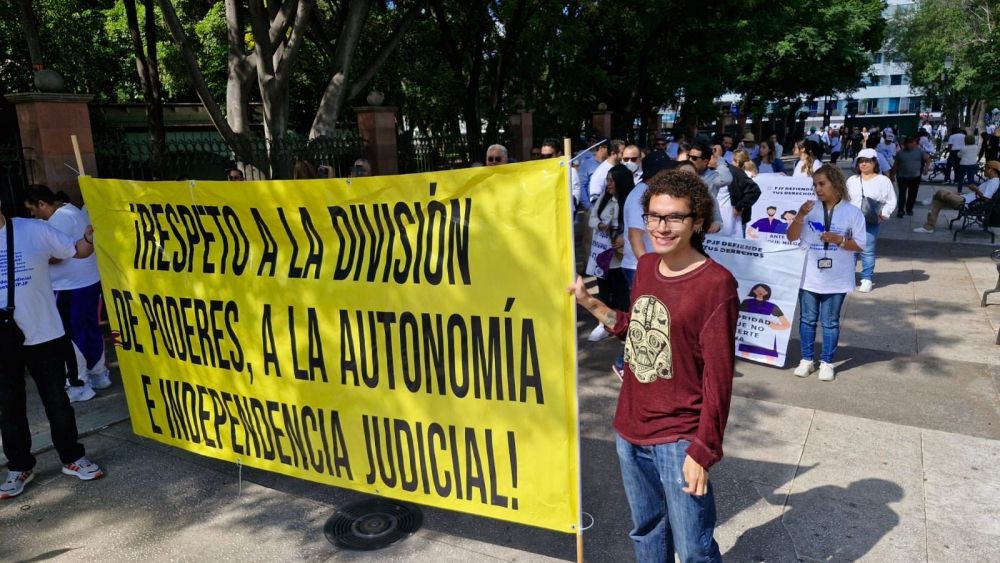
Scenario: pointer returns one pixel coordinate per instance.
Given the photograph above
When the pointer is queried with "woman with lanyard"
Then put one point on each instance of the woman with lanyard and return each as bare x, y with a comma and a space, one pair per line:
875, 195
830, 233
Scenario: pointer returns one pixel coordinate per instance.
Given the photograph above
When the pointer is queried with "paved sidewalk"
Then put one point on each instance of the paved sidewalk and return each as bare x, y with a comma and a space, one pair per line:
895, 461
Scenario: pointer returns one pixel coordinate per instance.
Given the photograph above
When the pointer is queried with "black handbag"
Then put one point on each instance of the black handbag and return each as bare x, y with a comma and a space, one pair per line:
870, 207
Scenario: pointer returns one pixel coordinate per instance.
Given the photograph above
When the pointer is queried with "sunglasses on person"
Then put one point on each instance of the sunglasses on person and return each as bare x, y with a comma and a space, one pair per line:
864, 160
698, 157
630, 159
547, 155
494, 159
235, 177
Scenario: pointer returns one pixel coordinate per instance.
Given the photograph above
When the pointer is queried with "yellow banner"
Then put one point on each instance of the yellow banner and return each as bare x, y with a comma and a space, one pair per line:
404, 336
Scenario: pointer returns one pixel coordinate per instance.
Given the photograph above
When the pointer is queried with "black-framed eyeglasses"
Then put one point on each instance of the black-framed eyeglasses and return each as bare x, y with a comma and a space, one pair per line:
698, 157
494, 159
630, 159
671, 219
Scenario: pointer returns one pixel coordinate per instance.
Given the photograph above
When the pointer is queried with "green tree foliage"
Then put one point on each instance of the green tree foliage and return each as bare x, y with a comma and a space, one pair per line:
73, 42
967, 32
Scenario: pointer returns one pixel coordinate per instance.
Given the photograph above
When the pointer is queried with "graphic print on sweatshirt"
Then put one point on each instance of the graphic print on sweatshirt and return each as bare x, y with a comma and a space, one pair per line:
647, 348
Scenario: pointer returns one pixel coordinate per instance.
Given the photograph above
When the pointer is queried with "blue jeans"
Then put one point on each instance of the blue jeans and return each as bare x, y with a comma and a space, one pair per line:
666, 519
867, 254
824, 308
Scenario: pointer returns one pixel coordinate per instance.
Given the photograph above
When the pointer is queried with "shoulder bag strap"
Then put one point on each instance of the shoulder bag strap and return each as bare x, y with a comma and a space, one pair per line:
10, 265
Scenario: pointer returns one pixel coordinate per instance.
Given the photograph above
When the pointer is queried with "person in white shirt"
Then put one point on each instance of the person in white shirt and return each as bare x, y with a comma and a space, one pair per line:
955, 143
32, 337
77, 285
868, 183
944, 199
830, 233
808, 163
599, 179
968, 163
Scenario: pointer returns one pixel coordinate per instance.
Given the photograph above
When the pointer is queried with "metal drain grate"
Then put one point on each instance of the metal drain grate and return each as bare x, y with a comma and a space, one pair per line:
372, 524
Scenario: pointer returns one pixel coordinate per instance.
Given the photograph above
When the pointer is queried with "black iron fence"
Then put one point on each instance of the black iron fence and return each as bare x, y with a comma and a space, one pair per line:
205, 156
421, 151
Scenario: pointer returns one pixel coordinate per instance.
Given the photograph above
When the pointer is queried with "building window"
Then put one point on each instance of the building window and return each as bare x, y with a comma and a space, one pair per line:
896, 80
871, 105
893, 105
878, 58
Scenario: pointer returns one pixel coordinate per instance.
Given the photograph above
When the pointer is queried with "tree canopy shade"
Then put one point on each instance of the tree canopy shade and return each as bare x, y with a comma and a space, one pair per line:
451, 65
968, 33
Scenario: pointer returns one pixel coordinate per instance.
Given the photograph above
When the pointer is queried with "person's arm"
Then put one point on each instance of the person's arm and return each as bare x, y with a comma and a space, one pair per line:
85, 246
889, 205
717, 341
725, 175
794, 231
606, 315
596, 187
781, 324
636, 239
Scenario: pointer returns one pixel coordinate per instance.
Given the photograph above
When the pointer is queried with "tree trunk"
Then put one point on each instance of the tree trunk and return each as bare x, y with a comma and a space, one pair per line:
237, 143
332, 101
30, 25
741, 122
149, 78
976, 115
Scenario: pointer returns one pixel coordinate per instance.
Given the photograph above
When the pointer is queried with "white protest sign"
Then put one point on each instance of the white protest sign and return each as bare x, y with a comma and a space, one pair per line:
779, 202
769, 276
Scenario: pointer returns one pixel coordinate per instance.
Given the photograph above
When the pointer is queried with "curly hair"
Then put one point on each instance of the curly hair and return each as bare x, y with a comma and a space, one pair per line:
680, 184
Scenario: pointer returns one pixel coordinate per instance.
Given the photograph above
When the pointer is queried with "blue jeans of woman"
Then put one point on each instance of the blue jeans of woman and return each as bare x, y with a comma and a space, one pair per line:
824, 309
667, 520
867, 254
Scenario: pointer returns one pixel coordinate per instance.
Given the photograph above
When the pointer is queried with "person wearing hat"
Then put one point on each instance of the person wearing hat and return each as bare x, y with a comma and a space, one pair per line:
868, 183
944, 199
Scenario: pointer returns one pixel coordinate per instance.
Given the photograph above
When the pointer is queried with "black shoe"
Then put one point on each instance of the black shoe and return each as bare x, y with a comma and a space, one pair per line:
909, 212
899, 214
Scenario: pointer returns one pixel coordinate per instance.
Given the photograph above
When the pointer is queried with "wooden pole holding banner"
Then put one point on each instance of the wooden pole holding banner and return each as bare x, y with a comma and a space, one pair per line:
568, 155
79, 158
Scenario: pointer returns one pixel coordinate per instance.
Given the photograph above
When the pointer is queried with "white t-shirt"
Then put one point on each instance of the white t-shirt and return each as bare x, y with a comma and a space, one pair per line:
598, 180
956, 141
989, 187
968, 155
799, 165
633, 220
879, 188
35, 305
846, 220
72, 274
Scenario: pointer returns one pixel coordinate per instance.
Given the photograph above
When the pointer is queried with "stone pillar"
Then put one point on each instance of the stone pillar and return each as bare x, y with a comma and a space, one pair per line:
602, 123
46, 122
377, 129
522, 134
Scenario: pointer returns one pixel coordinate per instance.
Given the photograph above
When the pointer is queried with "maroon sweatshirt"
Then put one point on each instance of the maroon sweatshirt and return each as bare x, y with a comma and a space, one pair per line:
679, 346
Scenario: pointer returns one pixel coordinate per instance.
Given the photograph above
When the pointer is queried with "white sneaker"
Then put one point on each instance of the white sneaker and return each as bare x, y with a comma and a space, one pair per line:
599, 333
927, 201
923, 230
14, 484
866, 286
101, 380
805, 368
83, 468
80, 393
826, 372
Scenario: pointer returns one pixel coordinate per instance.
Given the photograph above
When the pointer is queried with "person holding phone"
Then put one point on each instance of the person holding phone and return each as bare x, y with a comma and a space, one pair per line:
830, 233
